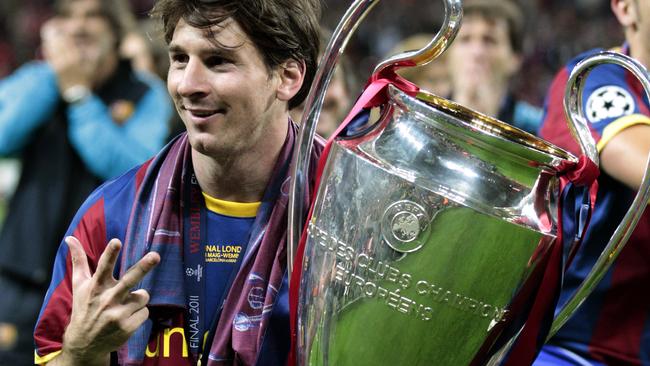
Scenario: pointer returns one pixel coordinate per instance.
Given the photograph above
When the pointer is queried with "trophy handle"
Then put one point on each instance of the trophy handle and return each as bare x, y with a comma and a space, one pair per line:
335, 48
580, 130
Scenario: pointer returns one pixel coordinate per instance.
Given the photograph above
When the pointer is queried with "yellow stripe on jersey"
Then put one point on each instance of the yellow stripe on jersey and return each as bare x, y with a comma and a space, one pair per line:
619, 125
230, 208
45, 359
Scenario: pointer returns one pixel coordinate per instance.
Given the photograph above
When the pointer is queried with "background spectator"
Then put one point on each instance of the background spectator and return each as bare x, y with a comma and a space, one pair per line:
556, 31
483, 59
339, 96
432, 77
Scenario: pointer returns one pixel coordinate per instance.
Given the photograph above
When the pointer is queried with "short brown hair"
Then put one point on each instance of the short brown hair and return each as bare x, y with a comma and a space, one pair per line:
280, 29
508, 10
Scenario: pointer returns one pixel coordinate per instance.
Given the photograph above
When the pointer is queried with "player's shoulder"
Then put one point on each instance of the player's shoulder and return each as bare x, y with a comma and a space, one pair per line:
608, 73
116, 194
606, 93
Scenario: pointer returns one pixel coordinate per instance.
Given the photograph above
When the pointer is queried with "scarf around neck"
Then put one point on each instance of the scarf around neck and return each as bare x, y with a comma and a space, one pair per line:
156, 224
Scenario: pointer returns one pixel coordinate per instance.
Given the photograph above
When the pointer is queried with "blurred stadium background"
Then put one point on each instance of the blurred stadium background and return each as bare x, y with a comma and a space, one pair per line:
556, 31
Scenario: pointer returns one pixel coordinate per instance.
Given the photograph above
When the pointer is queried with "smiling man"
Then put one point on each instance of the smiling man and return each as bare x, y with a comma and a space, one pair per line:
195, 265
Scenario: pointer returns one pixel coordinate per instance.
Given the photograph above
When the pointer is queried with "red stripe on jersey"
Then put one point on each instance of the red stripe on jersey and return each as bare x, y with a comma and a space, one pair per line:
92, 229
620, 337
56, 315
140, 174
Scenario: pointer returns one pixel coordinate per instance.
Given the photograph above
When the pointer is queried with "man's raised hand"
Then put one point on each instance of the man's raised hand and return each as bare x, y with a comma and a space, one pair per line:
105, 312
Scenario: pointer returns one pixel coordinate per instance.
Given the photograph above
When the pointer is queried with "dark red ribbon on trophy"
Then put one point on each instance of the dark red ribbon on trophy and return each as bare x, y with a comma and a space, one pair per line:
583, 173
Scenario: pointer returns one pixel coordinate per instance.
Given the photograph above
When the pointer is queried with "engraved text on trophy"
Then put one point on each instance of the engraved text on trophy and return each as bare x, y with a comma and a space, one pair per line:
362, 273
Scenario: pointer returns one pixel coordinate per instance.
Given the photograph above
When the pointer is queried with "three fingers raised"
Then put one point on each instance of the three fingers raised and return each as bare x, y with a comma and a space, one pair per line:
106, 265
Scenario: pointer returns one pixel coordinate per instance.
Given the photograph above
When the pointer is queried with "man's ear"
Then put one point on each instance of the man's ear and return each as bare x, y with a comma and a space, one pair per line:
625, 12
292, 74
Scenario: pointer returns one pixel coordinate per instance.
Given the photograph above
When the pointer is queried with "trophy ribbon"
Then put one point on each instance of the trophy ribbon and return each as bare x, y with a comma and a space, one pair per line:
583, 173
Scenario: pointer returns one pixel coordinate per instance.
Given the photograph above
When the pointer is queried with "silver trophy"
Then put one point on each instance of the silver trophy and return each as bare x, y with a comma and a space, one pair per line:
429, 227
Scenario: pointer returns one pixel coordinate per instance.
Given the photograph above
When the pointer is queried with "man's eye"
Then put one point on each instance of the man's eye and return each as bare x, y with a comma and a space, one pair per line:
179, 58
216, 61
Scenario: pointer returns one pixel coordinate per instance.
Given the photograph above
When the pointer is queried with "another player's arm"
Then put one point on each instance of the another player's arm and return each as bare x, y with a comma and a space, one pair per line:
105, 312
624, 141
624, 157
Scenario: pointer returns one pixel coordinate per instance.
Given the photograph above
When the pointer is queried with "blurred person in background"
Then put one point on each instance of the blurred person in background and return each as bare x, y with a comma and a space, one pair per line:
146, 48
612, 327
134, 45
142, 41
432, 77
338, 96
80, 117
144, 45
483, 59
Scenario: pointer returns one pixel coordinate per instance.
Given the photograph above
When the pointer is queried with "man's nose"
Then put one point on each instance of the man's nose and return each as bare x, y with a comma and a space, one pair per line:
474, 49
194, 80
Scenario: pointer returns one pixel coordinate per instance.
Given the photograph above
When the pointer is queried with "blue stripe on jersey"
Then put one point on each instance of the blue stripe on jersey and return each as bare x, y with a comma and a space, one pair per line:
645, 343
606, 216
276, 342
556, 356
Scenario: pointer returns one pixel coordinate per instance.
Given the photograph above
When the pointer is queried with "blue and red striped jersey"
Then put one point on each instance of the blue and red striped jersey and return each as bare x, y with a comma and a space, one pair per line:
103, 216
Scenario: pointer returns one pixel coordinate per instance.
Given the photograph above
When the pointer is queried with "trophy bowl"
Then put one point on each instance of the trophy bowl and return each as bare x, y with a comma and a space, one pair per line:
427, 228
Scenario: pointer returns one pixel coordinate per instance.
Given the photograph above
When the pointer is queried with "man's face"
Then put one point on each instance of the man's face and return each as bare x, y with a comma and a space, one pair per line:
434, 77
84, 21
482, 51
223, 90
